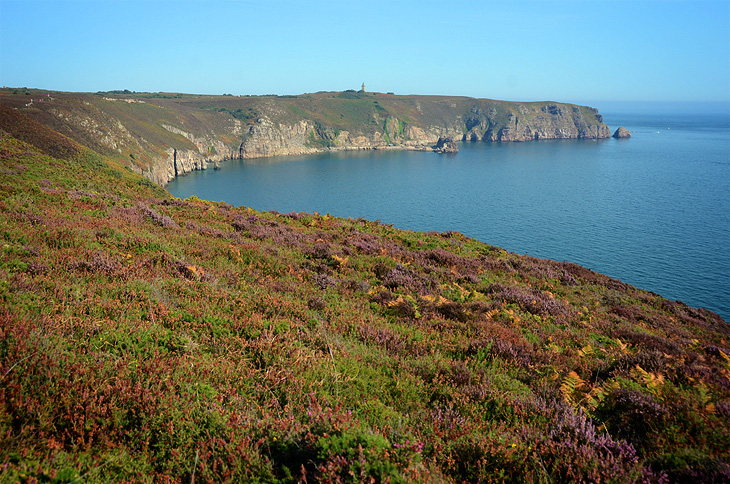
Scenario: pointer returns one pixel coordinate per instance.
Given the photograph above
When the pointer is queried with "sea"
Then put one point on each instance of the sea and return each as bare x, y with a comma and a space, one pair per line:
652, 210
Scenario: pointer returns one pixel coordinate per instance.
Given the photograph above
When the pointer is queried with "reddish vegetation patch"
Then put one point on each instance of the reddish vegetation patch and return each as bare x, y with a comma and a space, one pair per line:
34, 133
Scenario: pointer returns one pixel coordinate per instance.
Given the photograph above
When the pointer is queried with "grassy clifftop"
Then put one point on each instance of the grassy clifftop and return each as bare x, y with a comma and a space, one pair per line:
145, 338
355, 110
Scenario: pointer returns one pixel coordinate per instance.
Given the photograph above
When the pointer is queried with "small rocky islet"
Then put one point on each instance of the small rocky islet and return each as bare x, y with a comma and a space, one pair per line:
622, 133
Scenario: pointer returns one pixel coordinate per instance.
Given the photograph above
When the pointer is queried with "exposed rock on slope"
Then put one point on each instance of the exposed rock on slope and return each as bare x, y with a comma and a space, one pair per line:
264, 138
166, 135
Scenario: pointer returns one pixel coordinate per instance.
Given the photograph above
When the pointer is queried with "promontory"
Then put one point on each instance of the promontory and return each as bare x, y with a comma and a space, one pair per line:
164, 135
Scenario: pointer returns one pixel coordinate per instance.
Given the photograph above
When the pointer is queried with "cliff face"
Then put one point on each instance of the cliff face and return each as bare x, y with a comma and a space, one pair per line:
525, 123
265, 138
163, 136
208, 149
549, 121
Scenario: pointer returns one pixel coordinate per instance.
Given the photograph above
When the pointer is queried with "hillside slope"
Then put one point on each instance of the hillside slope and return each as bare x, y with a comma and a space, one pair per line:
166, 135
145, 338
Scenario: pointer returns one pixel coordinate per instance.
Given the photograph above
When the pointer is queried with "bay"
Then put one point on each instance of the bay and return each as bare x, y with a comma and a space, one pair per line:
652, 210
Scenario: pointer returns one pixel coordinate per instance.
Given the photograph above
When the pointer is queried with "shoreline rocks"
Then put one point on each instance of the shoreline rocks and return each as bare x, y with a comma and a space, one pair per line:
446, 145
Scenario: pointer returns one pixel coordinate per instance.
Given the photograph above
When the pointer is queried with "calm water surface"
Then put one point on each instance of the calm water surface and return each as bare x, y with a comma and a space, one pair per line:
653, 210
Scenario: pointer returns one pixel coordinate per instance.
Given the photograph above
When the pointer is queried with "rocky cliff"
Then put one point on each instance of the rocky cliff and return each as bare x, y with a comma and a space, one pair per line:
163, 136
536, 122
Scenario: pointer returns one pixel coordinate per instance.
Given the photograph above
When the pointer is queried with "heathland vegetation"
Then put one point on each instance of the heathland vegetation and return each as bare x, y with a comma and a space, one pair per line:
145, 338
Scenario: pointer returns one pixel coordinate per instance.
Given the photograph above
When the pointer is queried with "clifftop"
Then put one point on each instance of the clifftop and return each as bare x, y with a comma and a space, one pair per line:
165, 135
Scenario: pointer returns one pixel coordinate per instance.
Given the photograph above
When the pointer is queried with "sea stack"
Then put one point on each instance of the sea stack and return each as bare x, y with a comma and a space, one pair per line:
622, 132
446, 145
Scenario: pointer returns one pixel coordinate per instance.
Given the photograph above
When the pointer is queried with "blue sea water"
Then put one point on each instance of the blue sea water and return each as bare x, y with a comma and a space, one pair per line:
652, 210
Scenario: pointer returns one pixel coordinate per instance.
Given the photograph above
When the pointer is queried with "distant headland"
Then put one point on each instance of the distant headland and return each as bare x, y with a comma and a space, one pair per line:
164, 135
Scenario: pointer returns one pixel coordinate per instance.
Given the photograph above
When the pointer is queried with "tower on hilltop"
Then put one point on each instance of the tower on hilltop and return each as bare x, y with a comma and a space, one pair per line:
363, 87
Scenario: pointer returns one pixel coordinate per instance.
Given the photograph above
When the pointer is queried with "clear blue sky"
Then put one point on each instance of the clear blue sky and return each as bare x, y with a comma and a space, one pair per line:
590, 50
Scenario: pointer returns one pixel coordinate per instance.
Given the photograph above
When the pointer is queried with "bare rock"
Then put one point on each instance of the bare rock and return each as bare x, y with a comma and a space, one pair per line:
622, 133
446, 145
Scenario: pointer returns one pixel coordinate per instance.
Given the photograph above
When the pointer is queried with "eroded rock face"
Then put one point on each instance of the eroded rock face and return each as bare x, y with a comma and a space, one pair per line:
178, 162
446, 145
622, 132
268, 138
529, 122
265, 138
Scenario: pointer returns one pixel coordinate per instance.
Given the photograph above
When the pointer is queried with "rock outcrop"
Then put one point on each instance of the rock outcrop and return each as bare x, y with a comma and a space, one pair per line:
622, 132
446, 145
265, 138
177, 162
551, 121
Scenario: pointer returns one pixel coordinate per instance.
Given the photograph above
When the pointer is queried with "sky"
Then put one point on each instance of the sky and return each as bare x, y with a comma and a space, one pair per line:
570, 51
